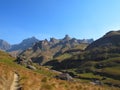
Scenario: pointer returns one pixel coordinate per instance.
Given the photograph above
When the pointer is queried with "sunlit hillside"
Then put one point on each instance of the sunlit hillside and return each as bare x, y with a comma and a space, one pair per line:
41, 79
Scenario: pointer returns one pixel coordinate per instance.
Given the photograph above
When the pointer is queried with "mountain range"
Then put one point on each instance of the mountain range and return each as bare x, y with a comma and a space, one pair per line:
45, 50
16, 49
26, 43
92, 64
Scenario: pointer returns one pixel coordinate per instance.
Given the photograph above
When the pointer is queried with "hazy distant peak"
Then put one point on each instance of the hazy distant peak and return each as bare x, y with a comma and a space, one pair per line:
26, 43
31, 38
4, 45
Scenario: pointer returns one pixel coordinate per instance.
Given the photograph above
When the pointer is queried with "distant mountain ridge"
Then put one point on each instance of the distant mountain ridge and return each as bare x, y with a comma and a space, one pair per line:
26, 43
45, 50
16, 49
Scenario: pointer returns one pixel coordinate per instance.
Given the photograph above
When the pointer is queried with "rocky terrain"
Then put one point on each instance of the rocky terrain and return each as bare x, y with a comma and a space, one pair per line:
45, 50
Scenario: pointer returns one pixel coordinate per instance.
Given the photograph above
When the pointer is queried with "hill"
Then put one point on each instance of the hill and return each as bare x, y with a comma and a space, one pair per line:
110, 39
99, 61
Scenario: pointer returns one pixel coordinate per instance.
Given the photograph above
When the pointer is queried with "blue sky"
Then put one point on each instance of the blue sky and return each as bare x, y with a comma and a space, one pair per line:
20, 19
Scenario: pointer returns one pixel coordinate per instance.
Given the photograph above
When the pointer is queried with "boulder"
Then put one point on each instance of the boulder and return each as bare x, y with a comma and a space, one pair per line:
31, 67
64, 76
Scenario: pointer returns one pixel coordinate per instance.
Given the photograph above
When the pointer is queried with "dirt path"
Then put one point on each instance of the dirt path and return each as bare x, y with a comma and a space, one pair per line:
15, 84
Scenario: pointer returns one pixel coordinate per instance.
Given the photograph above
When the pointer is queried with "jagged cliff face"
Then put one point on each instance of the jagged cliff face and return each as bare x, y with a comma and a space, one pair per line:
45, 50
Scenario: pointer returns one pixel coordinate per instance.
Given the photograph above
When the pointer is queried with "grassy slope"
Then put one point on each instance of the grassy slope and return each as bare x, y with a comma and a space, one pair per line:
92, 69
100, 60
32, 80
109, 68
70, 52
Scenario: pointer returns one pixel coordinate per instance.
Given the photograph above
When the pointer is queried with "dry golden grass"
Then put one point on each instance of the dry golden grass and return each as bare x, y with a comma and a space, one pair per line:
30, 80
6, 77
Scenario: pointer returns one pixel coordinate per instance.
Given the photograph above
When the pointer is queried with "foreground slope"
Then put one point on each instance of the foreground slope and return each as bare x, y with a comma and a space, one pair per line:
41, 79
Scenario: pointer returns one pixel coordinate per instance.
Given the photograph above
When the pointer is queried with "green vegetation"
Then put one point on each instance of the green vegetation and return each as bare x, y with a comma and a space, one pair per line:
63, 56
46, 72
7, 59
90, 76
113, 70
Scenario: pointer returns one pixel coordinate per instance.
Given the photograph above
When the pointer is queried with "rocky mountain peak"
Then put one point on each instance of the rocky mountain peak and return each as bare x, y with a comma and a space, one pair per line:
32, 39
54, 40
26, 43
67, 38
74, 40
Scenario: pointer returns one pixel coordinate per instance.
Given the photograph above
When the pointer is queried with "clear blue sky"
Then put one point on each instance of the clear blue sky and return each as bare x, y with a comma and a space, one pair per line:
20, 19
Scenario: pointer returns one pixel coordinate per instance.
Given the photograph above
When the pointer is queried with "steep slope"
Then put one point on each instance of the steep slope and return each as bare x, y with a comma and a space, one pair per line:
4, 45
110, 39
45, 50
42, 79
